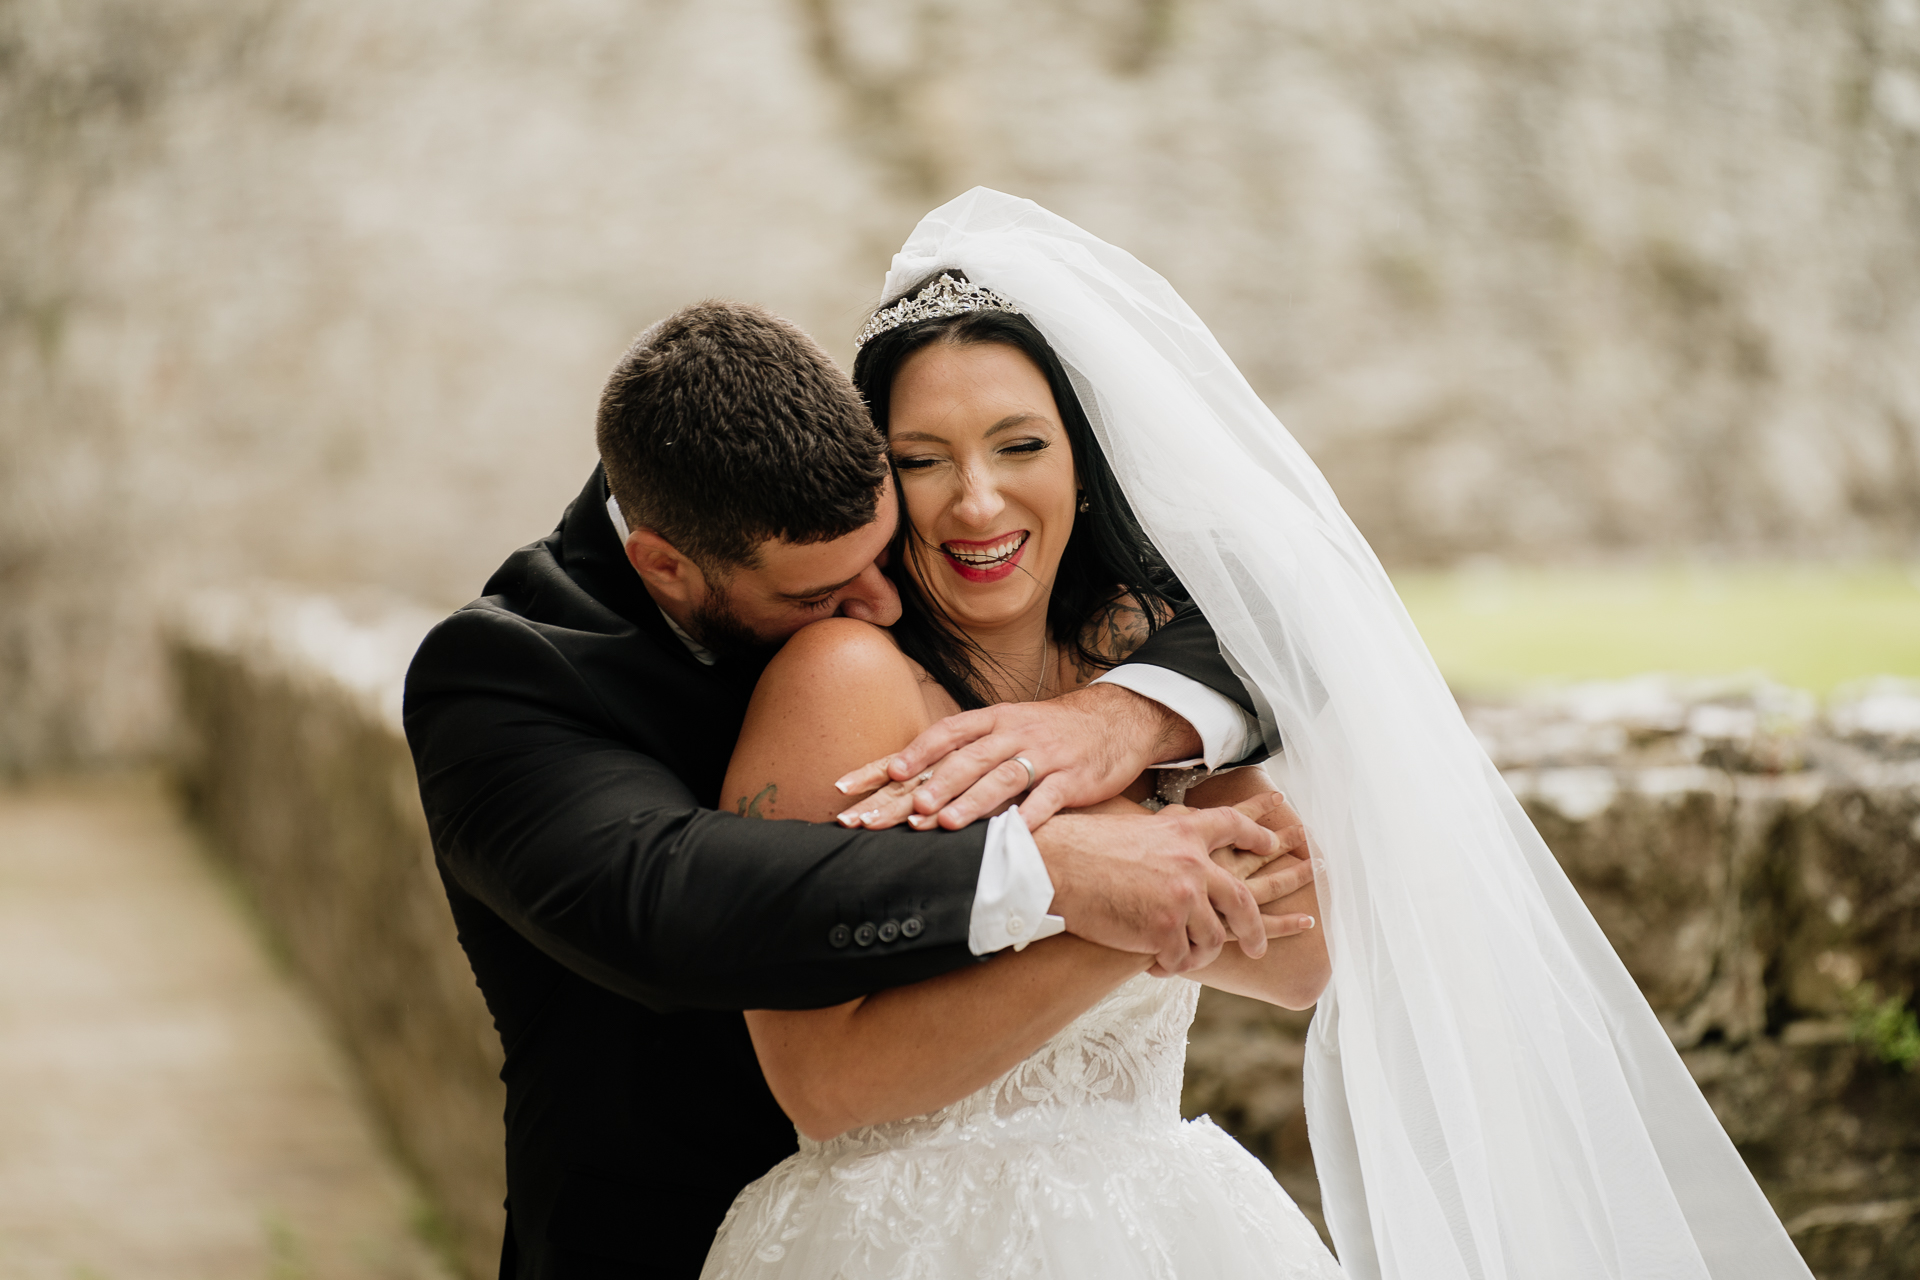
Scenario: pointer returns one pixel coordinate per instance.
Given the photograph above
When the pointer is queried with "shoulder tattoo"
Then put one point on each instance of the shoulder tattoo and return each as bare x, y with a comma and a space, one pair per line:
1113, 633
749, 807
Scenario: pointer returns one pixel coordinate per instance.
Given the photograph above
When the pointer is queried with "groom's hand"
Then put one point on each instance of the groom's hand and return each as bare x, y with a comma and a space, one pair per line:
1150, 884
1085, 747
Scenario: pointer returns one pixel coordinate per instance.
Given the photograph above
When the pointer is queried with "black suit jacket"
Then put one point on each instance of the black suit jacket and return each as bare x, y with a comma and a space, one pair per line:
570, 753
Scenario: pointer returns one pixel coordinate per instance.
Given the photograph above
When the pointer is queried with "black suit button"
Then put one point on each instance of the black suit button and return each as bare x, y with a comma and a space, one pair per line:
911, 927
864, 934
839, 936
889, 931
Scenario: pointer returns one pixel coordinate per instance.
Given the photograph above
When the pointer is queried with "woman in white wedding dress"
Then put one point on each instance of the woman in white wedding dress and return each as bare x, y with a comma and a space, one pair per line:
1488, 1094
930, 1147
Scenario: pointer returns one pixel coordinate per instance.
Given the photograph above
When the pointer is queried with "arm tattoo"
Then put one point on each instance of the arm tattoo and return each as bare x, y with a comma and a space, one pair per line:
1114, 633
750, 808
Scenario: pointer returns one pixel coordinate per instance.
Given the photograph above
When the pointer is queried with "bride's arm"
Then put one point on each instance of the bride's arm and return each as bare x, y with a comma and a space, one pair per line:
1295, 969
838, 694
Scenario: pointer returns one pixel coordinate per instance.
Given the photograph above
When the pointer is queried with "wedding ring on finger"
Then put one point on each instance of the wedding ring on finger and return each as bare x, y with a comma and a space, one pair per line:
1027, 764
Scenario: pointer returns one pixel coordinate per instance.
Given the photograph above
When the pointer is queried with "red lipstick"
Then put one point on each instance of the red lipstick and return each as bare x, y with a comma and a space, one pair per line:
989, 560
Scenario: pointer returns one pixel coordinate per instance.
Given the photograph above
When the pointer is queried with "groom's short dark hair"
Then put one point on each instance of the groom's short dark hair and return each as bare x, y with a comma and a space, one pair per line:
725, 425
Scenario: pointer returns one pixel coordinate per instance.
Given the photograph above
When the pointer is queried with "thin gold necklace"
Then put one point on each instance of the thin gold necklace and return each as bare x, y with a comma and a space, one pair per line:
1046, 647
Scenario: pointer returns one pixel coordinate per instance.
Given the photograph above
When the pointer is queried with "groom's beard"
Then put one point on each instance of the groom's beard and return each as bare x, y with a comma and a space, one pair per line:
720, 629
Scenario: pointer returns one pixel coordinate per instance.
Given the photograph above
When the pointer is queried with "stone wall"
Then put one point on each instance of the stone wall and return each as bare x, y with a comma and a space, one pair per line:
1757, 865
1754, 858
325, 292
295, 766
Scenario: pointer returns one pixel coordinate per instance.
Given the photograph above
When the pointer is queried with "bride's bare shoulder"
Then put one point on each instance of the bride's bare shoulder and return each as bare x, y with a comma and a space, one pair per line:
841, 649
838, 695
840, 664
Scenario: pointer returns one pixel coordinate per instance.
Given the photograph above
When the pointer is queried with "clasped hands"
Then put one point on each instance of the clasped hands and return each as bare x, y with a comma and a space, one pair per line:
1178, 884
1267, 877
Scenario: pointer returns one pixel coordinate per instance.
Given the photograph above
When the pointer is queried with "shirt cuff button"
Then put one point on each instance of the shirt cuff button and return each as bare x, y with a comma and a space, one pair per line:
911, 927
839, 936
889, 931
864, 935
1016, 927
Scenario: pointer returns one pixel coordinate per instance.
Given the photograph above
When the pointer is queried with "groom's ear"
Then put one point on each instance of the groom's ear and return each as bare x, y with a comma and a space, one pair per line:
668, 573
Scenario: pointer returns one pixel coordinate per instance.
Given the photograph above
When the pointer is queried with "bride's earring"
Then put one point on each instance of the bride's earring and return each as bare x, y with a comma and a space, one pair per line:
1085, 501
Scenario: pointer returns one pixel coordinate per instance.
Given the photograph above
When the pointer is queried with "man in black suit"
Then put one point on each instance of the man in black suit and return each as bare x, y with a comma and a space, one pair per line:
571, 729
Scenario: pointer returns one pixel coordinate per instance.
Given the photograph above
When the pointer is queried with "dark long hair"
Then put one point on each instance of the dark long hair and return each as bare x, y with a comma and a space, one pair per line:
1108, 557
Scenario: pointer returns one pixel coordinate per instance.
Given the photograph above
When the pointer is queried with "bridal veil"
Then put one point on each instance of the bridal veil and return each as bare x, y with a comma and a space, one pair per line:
1488, 1093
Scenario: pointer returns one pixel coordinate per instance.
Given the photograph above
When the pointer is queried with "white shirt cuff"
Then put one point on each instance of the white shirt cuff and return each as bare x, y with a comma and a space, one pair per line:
1225, 730
1014, 891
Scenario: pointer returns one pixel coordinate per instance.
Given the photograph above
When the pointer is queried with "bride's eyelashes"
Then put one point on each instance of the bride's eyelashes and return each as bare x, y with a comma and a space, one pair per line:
1028, 446
922, 461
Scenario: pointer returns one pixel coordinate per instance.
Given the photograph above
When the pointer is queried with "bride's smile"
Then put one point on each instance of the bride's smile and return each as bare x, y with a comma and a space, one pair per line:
987, 478
987, 561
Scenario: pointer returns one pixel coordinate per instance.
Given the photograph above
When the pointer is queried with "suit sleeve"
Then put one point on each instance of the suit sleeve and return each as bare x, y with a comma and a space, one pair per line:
601, 857
1186, 644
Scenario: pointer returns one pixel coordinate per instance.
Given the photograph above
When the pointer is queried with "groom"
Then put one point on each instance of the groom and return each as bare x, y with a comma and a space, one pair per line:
571, 729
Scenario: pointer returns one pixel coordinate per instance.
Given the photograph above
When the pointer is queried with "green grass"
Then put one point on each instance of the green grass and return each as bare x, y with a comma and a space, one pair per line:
1495, 629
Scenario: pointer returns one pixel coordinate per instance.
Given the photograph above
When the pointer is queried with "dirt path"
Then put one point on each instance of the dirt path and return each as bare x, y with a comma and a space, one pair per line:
169, 1105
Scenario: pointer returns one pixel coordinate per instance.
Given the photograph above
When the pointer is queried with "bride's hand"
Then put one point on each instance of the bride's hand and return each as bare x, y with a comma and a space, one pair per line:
1271, 810
886, 807
1068, 752
1271, 878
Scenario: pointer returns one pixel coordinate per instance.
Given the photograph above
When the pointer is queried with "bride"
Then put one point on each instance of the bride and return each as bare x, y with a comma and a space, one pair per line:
1488, 1095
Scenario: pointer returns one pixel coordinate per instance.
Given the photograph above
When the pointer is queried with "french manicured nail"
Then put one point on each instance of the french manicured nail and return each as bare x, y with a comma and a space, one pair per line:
848, 819
844, 786
950, 815
1309, 922
1319, 866
920, 822
869, 816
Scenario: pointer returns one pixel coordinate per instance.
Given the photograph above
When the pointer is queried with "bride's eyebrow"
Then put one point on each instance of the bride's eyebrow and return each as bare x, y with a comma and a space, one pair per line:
1013, 420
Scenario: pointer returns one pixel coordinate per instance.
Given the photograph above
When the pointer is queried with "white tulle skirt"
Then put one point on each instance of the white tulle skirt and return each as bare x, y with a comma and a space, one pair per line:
1105, 1191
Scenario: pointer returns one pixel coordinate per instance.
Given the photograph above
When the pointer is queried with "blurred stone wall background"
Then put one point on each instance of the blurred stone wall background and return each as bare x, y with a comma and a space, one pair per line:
1754, 858
324, 292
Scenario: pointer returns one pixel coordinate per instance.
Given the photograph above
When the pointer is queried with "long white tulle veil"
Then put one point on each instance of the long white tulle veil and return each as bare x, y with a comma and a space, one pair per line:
1488, 1093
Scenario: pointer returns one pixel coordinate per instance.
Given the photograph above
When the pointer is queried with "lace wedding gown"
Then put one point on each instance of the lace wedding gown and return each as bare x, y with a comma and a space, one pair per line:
1074, 1164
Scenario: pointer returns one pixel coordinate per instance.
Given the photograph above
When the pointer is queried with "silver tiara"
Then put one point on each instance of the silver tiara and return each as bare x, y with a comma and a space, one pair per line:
944, 297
